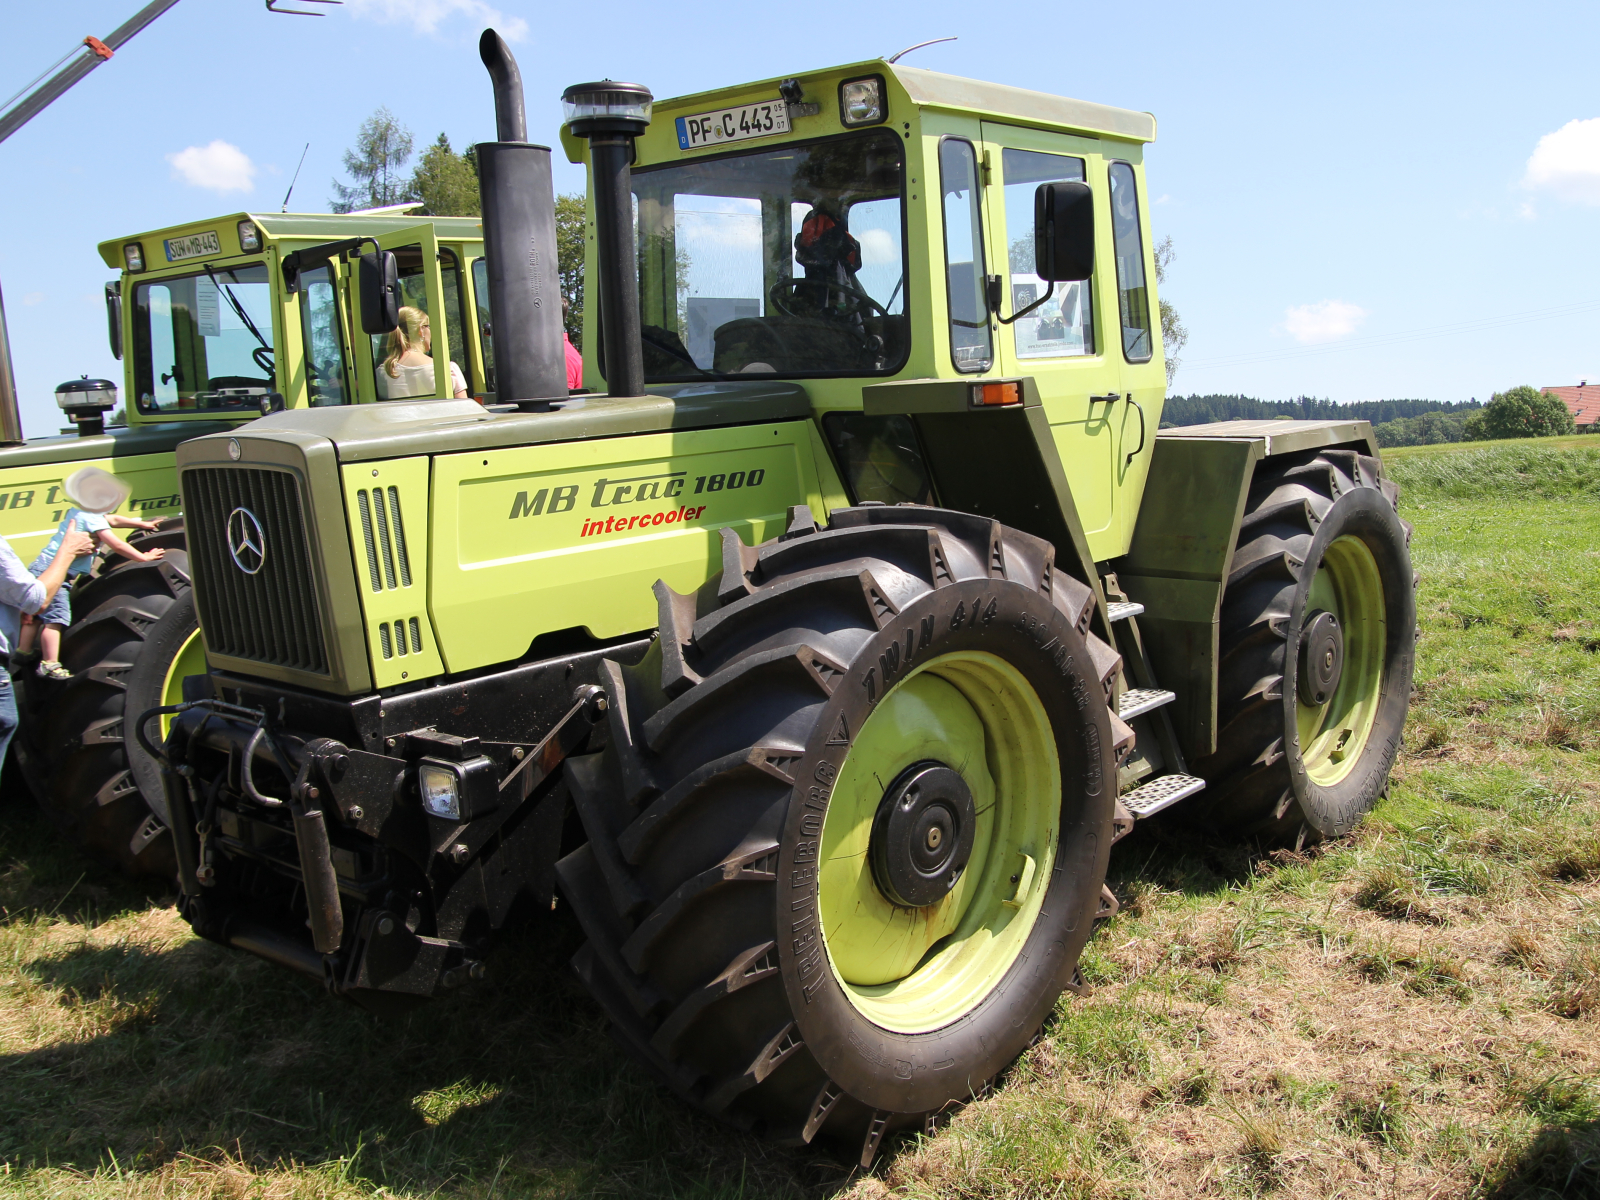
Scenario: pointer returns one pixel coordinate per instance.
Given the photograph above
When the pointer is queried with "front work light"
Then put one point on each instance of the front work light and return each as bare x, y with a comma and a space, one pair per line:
249, 237
606, 107
861, 101
441, 790
133, 256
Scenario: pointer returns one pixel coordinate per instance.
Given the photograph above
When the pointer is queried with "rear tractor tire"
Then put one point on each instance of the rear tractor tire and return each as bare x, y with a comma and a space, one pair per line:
849, 835
1318, 641
134, 637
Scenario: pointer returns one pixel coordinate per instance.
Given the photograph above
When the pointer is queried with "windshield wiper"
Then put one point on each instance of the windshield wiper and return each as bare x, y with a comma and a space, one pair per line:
238, 309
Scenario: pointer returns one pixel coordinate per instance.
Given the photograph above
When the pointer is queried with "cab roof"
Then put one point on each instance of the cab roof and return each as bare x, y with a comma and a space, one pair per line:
309, 228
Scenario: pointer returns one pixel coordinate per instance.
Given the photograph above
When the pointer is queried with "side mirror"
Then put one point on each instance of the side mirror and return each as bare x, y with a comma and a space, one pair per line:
380, 293
271, 403
1063, 232
114, 317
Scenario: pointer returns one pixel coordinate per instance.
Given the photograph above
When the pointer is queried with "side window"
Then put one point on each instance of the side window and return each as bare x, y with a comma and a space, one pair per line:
324, 343
971, 347
480, 292
1064, 324
455, 322
1133, 297
402, 361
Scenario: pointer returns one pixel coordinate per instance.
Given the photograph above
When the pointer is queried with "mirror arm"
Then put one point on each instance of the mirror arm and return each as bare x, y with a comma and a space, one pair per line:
994, 301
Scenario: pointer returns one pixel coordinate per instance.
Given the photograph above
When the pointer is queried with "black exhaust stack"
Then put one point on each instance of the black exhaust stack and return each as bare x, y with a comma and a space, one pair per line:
611, 115
519, 244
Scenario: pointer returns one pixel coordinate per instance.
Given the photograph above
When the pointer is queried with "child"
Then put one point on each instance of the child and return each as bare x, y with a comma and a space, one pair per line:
94, 494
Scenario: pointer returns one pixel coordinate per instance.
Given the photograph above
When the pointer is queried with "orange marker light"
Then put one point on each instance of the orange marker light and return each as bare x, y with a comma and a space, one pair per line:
987, 394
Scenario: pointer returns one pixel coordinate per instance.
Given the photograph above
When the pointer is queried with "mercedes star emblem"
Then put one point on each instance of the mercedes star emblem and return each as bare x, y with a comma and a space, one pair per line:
233, 449
246, 543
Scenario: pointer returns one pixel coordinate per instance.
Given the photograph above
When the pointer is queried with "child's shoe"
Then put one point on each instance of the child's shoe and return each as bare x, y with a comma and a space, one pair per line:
53, 670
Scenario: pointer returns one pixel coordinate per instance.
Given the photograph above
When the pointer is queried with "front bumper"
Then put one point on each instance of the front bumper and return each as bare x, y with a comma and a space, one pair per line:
301, 837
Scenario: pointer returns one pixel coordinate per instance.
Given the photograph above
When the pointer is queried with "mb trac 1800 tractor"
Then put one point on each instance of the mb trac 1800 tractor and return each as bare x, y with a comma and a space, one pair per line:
216, 322
853, 621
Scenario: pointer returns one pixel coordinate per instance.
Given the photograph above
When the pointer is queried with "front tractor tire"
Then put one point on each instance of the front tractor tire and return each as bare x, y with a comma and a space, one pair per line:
134, 636
849, 835
1318, 642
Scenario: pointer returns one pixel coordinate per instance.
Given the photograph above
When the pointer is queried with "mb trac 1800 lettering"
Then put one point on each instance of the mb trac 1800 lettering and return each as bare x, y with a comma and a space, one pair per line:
851, 615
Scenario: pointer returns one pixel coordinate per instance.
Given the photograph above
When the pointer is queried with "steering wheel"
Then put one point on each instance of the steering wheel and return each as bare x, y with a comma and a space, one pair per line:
260, 353
782, 293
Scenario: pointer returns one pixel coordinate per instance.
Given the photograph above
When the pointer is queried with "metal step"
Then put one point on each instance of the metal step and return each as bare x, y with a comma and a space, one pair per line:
1161, 792
1136, 701
1121, 610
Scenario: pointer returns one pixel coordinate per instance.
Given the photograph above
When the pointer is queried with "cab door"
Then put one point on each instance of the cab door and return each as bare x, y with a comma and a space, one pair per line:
1062, 344
413, 362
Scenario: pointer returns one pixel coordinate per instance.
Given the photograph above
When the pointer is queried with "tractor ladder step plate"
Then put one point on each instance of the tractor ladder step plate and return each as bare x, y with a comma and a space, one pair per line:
1121, 610
1137, 701
1162, 792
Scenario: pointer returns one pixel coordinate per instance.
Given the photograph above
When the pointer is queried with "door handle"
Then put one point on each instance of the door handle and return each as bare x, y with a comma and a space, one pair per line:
1134, 453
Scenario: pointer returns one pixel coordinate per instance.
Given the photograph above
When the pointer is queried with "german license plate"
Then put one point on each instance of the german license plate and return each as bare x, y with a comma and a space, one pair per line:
766, 119
196, 245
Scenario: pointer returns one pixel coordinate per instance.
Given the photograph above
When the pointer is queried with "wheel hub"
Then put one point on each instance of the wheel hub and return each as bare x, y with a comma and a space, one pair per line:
922, 835
1321, 658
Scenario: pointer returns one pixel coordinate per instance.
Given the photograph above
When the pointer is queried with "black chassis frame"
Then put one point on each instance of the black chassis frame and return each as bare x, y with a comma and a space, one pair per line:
413, 898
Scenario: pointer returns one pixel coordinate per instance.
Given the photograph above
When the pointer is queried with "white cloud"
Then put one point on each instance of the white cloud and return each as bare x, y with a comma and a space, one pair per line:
1324, 321
1566, 163
425, 16
219, 167
879, 248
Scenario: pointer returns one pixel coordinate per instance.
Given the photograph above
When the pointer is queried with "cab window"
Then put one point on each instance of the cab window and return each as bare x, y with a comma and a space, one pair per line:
455, 323
203, 342
1064, 324
788, 261
971, 346
480, 293
1133, 297
402, 360
323, 339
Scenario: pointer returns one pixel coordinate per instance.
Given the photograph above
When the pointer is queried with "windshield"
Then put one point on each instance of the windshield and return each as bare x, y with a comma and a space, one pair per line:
203, 342
788, 261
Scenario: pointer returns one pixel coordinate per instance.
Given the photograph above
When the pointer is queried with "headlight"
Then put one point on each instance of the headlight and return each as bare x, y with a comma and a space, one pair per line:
861, 101
133, 256
441, 790
249, 237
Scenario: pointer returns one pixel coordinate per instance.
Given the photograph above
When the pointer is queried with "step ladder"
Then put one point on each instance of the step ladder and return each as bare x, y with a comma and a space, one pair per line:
1143, 698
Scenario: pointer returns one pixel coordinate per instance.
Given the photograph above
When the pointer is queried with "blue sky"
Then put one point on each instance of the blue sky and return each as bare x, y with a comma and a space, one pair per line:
1367, 200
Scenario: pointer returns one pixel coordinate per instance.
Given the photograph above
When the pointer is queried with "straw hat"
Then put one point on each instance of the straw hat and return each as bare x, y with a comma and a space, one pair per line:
94, 490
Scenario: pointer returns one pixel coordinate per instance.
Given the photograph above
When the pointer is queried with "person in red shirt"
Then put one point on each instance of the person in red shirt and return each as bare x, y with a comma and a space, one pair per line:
574, 359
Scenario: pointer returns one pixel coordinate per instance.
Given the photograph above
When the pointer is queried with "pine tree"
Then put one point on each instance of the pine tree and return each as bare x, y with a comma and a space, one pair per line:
446, 182
383, 147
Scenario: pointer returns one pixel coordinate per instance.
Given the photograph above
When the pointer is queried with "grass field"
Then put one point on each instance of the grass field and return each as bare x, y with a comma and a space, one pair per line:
1410, 1011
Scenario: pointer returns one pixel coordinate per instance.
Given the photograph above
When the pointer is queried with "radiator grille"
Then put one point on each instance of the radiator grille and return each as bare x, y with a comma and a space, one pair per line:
384, 532
271, 616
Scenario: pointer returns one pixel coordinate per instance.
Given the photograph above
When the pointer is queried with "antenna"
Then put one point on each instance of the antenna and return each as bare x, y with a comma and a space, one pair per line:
295, 180
919, 46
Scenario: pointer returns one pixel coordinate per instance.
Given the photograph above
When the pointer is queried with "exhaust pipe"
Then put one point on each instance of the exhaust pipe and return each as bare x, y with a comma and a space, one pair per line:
519, 245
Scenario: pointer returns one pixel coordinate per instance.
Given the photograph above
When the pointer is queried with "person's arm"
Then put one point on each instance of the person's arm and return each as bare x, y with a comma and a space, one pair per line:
117, 522
107, 538
458, 381
74, 545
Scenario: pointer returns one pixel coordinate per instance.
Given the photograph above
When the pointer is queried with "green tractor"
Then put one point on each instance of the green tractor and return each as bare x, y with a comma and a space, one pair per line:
820, 652
216, 322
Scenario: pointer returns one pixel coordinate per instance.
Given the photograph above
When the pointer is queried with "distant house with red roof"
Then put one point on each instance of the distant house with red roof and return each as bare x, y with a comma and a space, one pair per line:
1583, 402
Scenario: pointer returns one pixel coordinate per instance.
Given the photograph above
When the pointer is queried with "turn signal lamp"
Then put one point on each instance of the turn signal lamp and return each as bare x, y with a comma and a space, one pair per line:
606, 107
861, 101
441, 790
988, 395
133, 256
249, 237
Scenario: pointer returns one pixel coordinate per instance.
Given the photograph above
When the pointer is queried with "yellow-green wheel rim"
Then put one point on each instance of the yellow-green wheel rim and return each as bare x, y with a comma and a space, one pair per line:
189, 660
915, 970
1334, 734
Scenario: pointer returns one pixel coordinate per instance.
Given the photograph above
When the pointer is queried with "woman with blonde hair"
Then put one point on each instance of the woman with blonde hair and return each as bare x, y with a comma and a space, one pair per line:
407, 368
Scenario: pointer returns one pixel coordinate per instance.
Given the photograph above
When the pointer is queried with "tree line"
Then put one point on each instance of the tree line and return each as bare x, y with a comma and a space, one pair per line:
1517, 412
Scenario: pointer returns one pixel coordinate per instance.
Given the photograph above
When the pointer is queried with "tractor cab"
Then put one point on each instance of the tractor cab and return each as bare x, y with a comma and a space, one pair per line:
251, 313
